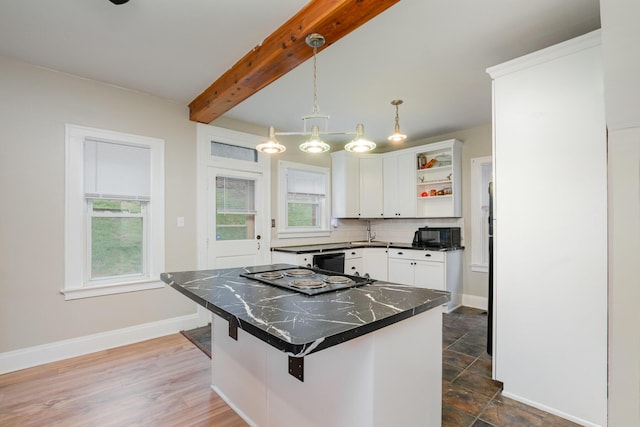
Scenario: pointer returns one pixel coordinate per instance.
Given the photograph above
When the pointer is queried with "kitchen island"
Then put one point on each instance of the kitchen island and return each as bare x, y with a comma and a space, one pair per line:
368, 355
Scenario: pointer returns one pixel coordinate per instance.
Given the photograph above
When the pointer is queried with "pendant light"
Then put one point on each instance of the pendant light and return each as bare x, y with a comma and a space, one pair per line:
315, 144
271, 145
397, 136
360, 144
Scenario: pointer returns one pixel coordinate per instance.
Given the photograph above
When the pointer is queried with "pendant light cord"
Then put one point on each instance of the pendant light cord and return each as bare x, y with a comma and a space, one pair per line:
315, 82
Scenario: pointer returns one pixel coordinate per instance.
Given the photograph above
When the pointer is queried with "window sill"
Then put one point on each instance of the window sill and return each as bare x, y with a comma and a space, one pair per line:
298, 234
111, 289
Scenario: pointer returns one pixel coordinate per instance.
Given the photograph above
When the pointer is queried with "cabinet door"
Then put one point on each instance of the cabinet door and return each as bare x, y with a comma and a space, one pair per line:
429, 274
374, 263
345, 185
406, 189
353, 266
371, 186
391, 186
401, 271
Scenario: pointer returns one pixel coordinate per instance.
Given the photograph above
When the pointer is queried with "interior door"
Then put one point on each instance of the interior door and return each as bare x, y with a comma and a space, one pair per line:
236, 206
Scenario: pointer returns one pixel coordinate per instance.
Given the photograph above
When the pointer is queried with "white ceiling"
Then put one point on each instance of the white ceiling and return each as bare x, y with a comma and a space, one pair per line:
430, 53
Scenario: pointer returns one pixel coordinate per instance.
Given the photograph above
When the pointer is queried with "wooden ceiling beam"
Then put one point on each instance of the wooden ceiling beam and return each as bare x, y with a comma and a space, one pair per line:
282, 51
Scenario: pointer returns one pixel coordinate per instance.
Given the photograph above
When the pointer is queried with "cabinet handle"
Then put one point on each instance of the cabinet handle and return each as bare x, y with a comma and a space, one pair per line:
353, 268
427, 254
353, 253
400, 253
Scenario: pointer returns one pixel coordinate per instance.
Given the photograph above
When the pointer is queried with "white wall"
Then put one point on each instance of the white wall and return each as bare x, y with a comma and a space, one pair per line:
34, 107
620, 42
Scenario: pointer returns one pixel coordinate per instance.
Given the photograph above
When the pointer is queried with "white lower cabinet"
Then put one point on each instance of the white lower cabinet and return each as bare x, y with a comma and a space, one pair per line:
353, 262
304, 260
428, 269
374, 263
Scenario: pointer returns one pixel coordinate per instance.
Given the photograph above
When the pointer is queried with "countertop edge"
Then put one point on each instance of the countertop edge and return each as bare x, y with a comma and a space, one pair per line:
330, 247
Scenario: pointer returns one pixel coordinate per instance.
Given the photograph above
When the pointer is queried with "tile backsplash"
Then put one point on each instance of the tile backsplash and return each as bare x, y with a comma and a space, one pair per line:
387, 230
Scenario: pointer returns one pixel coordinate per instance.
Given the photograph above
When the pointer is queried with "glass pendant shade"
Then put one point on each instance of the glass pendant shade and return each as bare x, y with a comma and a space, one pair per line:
360, 144
314, 144
271, 145
397, 136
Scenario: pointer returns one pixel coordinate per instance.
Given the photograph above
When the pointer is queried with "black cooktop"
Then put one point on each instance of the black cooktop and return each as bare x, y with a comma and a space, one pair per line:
308, 281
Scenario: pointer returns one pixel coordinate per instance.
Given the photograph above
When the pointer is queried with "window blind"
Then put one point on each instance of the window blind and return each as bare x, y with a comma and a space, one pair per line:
116, 171
305, 183
235, 195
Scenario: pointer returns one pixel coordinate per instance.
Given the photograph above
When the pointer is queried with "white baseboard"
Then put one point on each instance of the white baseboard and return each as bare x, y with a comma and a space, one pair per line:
549, 410
475, 301
38, 355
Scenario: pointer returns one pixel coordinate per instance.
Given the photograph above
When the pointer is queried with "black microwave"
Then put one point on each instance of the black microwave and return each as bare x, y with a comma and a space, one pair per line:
437, 237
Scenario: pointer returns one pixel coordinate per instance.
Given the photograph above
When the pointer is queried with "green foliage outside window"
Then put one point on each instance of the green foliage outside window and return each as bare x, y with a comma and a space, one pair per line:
302, 215
116, 241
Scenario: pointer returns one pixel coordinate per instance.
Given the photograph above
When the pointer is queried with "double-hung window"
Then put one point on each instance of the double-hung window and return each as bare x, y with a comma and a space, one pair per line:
114, 221
303, 200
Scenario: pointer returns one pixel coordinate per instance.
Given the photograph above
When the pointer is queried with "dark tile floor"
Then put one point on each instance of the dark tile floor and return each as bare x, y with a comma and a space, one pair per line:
469, 396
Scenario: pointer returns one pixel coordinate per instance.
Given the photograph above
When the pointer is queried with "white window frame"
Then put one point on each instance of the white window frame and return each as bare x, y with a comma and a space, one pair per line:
479, 215
284, 231
76, 283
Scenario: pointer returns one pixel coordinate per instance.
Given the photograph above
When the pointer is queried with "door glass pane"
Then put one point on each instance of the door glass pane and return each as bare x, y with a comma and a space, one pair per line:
235, 209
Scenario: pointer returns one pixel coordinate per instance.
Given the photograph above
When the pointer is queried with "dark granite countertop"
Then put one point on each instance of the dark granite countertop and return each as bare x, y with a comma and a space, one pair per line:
327, 247
299, 324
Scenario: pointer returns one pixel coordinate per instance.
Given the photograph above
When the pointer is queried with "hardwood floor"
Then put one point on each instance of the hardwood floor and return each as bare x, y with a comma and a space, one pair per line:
160, 382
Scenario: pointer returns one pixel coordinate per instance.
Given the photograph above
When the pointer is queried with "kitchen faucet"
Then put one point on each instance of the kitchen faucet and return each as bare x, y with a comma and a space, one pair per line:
370, 236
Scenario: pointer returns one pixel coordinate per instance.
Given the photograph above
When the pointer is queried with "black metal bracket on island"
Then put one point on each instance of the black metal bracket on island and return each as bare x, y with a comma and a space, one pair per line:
295, 323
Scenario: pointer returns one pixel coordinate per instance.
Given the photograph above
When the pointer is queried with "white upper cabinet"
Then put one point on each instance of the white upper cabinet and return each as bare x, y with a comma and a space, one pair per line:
345, 185
371, 184
417, 182
437, 180
399, 196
